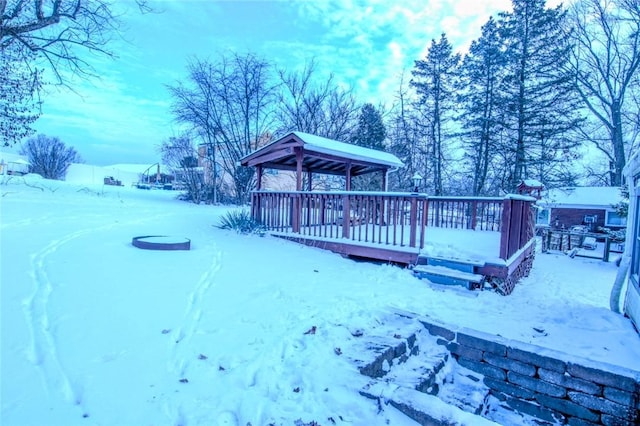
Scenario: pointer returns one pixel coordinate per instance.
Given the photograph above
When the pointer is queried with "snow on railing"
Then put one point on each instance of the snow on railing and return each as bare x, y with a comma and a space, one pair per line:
393, 219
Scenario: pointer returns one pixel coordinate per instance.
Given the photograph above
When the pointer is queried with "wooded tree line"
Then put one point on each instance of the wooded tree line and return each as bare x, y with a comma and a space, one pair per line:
538, 84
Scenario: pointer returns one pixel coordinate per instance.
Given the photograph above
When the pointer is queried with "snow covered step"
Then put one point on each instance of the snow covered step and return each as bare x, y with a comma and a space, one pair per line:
460, 265
445, 275
377, 354
425, 409
418, 372
465, 389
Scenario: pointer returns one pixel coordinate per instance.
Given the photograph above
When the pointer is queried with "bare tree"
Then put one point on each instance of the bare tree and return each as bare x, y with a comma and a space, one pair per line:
194, 106
19, 97
405, 137
321, 109
237, 110
54, 32
181, 155
49, 156
58, 30
605, 65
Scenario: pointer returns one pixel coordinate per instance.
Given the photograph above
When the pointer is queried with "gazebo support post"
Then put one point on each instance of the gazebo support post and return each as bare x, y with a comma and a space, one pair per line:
255, 203
299, 156
308, 200
385, 184
259, 177
297, 205
348, 177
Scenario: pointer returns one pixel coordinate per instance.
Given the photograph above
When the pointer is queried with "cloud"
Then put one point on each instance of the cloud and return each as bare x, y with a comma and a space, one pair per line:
105, 110
366, 44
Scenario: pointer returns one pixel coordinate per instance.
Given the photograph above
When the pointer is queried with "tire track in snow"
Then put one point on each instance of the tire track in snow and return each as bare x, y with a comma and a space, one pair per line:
43, 351
46, 219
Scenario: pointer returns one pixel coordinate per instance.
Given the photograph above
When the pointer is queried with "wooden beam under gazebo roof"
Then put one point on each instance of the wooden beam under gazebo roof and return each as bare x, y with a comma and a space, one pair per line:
303, 152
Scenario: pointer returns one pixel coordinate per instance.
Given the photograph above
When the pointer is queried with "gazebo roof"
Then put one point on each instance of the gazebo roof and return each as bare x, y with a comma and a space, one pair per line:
320, 155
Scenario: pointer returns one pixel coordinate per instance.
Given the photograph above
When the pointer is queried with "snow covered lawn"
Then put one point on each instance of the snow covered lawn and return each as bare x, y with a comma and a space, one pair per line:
98, 332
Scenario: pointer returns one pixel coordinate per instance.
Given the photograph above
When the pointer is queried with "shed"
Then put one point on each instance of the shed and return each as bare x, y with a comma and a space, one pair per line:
531, 187
303, 152
13, 164
591, 206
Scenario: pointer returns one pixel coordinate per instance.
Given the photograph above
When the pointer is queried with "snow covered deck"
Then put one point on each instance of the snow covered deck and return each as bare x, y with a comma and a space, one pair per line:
399, 227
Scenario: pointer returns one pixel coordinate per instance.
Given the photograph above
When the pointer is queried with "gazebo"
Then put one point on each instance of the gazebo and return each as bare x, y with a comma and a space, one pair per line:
401, 227
305, 153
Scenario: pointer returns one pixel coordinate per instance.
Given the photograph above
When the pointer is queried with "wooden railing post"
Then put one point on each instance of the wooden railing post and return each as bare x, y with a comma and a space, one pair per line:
474, 214
505, 230
297, 213
346, 216
423, 221
413, 221
254, 197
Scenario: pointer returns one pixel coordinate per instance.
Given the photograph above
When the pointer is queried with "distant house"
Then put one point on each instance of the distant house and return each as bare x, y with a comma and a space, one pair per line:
13, 164
590, 206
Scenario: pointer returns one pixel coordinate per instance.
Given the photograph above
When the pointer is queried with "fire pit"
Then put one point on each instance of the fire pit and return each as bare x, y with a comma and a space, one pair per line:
161, 242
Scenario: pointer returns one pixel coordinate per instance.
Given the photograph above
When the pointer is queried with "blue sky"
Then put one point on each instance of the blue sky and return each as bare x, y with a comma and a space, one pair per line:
124, 115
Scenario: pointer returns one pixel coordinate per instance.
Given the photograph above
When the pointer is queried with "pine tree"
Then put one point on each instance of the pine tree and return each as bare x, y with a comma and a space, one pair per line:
433, 81
480, 77
539, 100
369, 133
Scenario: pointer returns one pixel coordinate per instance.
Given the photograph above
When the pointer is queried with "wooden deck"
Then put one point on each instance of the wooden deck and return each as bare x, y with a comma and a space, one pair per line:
495, 234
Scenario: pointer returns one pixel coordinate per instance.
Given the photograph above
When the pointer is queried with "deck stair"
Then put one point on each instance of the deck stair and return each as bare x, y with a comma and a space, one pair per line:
449, 272
412, 373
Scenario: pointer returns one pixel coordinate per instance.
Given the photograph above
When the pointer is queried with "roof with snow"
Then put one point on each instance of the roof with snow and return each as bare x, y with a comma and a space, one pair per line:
137, 168
532, 183
9, 157
582, 197
320, 155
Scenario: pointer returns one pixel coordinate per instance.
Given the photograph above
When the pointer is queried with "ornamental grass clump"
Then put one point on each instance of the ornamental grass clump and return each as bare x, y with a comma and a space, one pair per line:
242, 222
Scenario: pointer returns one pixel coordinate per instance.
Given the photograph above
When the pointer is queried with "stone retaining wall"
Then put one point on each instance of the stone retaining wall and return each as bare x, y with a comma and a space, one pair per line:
543, 383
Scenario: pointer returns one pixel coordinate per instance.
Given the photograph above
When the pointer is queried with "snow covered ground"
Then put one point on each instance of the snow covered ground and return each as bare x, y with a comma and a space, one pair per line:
97, 332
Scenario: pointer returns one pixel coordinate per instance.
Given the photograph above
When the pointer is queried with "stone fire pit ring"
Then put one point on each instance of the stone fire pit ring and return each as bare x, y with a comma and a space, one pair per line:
161, 242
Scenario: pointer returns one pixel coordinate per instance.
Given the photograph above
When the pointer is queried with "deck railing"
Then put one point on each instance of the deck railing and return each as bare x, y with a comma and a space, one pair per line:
393, 219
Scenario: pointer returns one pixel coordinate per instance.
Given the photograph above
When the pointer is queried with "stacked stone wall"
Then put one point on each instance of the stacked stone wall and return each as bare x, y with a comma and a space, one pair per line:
544, 383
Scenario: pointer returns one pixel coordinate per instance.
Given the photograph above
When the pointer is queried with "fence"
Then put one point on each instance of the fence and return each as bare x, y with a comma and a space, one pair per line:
393, 219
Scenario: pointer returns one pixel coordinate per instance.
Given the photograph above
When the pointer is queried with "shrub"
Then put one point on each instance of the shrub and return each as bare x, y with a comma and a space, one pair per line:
242, 222
49, 156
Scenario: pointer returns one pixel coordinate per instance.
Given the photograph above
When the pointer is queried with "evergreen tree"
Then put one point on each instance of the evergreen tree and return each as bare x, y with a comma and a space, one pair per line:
539, 100
369, 133
433, 81
480, 77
